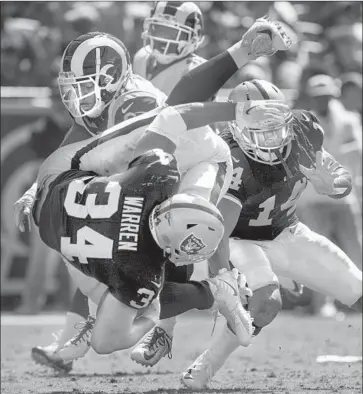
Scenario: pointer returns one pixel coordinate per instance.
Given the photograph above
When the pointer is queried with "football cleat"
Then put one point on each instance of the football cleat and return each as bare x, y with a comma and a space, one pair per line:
49, 356
200, 373
226, 291
79, 345
157, 344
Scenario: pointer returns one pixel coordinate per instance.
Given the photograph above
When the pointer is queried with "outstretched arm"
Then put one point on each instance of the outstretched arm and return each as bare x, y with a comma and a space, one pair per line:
263, 38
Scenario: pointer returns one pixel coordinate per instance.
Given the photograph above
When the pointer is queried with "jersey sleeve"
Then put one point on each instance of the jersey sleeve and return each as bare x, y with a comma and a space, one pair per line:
169, 124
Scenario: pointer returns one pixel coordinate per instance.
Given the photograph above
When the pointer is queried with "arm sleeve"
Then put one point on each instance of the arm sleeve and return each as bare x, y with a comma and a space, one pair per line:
204, 81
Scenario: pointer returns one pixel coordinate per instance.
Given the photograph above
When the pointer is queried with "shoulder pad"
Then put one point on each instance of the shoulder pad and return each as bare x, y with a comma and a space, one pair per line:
131, 104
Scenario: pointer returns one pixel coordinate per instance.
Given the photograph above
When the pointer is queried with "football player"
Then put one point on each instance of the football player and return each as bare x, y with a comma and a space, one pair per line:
229, 62
273, 162
104, 92
171, 35
117, 229
99, 224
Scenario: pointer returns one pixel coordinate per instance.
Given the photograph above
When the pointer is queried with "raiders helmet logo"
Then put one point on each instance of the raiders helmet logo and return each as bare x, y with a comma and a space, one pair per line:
192, 244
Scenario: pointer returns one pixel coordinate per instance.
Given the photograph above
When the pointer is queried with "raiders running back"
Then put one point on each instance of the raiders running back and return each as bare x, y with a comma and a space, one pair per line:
101, 225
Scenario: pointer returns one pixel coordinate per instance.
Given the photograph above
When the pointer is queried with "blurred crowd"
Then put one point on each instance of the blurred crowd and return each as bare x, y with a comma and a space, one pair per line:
34, 35
323, 72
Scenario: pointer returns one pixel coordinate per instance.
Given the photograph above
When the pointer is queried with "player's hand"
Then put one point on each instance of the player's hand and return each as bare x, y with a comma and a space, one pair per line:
261, 111
22, 212
265, 37
323, 175
244, 291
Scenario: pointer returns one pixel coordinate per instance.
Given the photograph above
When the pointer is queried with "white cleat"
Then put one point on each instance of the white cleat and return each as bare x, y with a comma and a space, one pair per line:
200, 373
49, 356
155, 345
80, 344
226, 292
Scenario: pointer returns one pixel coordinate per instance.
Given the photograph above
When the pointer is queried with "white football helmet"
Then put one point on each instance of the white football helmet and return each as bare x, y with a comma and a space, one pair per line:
188, 228
95, 68
268, 142
173, 30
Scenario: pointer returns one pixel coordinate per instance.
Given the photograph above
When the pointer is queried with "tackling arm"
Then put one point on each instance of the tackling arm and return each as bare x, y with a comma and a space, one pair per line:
164, 132
166, 129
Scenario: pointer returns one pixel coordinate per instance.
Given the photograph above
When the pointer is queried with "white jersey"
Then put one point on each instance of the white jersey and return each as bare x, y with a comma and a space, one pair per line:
113, 150
163, 76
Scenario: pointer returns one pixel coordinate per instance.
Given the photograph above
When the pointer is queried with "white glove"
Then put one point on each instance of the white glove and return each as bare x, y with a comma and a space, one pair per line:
22, 212
265, 37
323, 175
262, 111
244, 291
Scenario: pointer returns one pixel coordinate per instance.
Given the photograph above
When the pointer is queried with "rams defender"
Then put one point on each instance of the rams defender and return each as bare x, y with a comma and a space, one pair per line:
171, 35
272, 164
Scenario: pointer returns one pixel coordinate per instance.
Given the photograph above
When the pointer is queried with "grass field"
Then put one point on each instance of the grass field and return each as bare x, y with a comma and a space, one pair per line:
280, 360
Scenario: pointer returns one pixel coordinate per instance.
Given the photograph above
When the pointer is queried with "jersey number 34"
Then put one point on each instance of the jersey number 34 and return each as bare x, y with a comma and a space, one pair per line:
90, 243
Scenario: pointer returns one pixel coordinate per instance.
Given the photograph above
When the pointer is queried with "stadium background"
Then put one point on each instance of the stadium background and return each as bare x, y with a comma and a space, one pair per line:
34, 121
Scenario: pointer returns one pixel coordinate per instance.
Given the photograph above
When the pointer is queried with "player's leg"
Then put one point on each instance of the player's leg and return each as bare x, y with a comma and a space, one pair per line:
248, 257
117, 326
349, 230
50, 355
76, 343
158, 342
208, 181
313, 260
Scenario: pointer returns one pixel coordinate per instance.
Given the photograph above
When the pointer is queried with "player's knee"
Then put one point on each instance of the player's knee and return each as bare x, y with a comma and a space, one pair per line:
265, 304
106, 343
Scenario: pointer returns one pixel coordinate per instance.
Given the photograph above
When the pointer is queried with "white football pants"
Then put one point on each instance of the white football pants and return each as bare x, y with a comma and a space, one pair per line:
301, 255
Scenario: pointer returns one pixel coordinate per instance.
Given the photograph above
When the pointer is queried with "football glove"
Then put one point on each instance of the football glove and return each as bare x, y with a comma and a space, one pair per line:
244, 291
22, 211
261, 111
323, 174
265, 37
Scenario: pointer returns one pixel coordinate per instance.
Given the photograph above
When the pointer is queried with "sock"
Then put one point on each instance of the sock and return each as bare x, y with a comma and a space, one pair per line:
92, 308
80, 304
69, 330
176, 274
167, 325
222, 347
177, 298
358, 306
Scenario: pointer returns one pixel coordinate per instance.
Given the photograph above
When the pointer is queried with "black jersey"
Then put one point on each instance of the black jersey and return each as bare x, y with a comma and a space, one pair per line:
101, 224
267, 193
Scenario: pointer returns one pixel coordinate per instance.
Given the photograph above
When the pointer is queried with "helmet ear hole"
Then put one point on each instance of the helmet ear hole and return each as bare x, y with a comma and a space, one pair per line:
101, 65
198, 231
